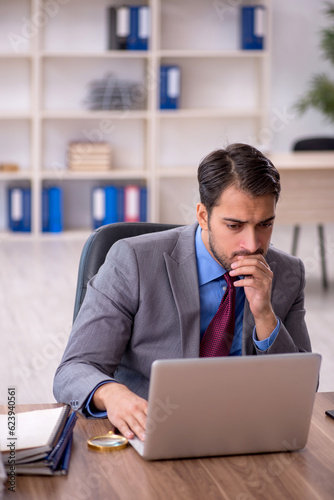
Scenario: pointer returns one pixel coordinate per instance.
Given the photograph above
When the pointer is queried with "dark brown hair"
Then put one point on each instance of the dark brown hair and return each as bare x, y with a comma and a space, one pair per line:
240, 165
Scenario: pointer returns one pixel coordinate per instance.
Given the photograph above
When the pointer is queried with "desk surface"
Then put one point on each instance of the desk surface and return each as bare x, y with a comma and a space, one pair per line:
124, 475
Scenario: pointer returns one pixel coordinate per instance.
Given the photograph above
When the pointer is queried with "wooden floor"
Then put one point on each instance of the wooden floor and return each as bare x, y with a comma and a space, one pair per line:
37, 285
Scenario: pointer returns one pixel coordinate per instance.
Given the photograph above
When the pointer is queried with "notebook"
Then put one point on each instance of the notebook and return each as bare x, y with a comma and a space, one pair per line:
32, 433
229, 406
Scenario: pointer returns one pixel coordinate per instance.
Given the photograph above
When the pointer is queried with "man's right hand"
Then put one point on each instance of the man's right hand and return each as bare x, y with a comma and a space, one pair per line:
126, 411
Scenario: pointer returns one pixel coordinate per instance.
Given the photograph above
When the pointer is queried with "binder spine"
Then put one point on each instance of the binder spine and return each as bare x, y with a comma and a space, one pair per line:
170, 83
98, 207
55, 210
252, 27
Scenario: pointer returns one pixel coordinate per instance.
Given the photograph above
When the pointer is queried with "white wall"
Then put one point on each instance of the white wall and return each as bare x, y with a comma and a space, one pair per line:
296, 56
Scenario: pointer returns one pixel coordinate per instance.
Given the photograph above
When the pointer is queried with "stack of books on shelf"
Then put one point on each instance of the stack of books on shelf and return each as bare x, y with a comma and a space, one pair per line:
9, 167
89, 156
19, 209
52, 209
37, 442
113, 93
129, 27
118, 204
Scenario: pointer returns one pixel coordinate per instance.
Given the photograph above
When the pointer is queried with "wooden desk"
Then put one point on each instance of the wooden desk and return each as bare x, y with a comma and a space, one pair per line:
124, 475
307, 180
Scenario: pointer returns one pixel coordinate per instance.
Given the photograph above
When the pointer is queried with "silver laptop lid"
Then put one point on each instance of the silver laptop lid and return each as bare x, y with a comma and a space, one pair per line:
226, 406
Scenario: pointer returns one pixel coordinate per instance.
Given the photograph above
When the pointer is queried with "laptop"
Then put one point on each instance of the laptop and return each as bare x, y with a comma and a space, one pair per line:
229, 406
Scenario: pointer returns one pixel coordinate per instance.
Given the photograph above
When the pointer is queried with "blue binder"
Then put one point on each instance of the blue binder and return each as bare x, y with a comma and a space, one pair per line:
19, 209
144, 23
52, 209
111, 205
169, 86
132, 40
252, 27
143, 205
55, 209
120, 204
45, 210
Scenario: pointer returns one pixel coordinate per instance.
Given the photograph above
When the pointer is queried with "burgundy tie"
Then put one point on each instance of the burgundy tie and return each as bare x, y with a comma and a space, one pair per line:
218, 337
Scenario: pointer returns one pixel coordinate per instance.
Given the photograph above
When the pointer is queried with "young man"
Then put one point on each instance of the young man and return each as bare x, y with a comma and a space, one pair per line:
156, 294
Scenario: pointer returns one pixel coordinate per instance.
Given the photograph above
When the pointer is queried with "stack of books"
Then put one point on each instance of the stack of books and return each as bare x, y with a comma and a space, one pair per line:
39, 442
113, 93
87, 156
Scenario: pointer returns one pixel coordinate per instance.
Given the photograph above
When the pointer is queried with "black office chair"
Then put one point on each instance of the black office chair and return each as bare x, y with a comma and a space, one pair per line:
97, 246
314, 144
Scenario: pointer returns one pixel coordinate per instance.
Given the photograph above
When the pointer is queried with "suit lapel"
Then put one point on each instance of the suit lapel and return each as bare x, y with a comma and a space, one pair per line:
182, 273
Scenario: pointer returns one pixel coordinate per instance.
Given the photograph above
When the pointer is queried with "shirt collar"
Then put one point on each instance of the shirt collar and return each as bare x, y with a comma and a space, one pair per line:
208, 268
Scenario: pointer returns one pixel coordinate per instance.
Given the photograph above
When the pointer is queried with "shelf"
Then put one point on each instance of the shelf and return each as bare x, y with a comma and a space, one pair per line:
15, 55
215, 54
178, 172
120, 114
15, 115
16, 176
108, 54
60, 175
48, 82
212, 113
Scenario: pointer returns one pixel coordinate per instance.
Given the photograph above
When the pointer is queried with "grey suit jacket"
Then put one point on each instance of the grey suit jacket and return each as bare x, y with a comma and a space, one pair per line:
144, 305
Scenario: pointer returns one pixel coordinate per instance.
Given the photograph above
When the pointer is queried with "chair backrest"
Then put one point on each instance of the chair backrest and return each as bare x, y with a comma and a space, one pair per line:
314, 144
97, 246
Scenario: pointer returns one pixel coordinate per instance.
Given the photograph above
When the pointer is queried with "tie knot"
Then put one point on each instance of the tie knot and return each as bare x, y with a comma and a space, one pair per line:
229, 279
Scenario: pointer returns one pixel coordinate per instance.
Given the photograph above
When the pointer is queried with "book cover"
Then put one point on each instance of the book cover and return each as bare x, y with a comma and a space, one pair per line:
37, 433
56, 462
170, 84
252, 27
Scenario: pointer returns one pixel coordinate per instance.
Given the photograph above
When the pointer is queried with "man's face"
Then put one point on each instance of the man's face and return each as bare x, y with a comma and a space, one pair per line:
238, 225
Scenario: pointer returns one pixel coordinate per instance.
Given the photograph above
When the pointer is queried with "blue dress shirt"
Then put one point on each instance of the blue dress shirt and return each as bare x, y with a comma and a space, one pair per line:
212, 287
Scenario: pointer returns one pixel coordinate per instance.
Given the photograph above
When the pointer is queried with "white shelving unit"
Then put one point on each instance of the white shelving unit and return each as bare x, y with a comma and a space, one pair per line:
50, 51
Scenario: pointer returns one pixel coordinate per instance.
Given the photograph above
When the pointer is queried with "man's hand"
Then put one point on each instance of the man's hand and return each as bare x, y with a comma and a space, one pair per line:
257, 283
125, 410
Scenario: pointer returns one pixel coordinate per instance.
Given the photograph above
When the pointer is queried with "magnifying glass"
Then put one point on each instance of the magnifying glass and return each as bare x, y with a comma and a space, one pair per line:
107, 442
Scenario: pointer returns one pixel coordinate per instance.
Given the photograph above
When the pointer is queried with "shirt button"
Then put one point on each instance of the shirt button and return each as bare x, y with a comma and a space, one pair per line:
224, 288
